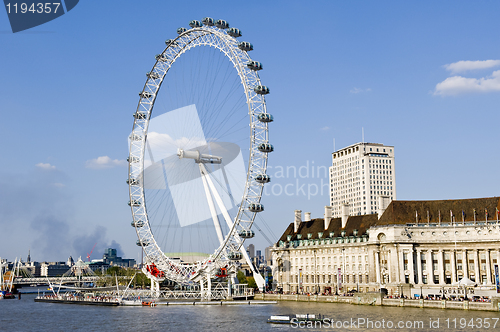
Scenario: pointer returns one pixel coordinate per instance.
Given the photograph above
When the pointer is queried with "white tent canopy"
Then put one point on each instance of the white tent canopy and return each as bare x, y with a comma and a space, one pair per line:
465, 282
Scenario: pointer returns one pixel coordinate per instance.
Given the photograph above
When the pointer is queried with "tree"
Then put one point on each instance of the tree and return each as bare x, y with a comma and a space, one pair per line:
242, 278
251, 282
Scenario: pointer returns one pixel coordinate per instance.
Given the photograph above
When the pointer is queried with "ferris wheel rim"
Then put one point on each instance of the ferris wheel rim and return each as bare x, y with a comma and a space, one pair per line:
256, 105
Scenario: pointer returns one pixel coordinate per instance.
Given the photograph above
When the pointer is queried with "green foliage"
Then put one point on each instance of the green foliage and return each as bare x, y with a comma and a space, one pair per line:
242, 279
108, 279
251, 282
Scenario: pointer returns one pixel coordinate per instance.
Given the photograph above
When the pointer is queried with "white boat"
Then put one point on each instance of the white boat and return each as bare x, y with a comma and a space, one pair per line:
131, 301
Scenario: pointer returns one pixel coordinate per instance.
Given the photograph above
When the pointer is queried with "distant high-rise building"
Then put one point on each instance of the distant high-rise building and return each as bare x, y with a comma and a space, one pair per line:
268, 255
251, 250
362, 179
70, 261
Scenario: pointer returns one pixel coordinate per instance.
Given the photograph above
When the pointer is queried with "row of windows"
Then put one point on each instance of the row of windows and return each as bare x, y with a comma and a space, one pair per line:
329, 278
329, 259
328, 251
325, 268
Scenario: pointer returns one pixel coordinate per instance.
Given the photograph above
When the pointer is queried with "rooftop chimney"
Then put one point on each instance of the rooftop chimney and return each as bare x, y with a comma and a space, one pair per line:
328, 216
307, 216
383, 203
298, 220
345, 214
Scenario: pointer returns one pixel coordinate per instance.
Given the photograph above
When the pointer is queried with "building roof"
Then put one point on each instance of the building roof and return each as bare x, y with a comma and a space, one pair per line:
407, 212
401, 212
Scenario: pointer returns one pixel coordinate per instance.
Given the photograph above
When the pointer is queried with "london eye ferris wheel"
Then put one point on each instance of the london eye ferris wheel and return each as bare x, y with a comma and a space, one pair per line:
197, 164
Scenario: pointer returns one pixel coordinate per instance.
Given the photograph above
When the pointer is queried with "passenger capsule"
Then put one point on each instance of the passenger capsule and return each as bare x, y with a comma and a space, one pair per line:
235, 255
233, 32
138, 223
140, 115
195, 24
152, 75
265, 147
133, 159
265, 117
142, 243
245, 234
135, 137
181, 30
261, 90
221, 24
132, 182
245, 46
145, 94
161, 57
208, 21
263, 178
254, 65
171, 42
134, 203
256, 207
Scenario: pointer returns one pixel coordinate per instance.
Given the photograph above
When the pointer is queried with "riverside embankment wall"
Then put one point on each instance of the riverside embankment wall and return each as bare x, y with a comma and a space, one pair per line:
378, 299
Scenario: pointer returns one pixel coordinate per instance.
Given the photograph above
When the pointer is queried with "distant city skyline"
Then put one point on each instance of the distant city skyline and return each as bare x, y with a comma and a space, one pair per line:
414, 76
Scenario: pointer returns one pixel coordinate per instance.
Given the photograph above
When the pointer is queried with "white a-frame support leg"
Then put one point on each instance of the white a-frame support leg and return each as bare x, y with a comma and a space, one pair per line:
259, 280
213, 212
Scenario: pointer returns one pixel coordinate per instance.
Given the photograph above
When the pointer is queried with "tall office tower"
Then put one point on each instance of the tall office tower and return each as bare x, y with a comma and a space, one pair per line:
362, 179
251, 250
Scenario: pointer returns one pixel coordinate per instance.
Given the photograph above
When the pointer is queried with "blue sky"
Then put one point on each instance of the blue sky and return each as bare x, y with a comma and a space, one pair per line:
414, 75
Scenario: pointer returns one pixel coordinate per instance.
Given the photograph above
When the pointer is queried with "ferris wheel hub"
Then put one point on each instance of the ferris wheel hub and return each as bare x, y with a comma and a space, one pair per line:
198, 157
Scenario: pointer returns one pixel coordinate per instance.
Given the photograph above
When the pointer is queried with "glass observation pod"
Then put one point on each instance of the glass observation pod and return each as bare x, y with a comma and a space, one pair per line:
265, 117
245, 46
256, 207
152, 75
233, 32
244, 234
169, 42
161, 57
134, 203
132, 181
263, 178
261, 90
265, 147
208, 21
181, 30
142, 244
135, 137
145, 94
195, 24
138, 223
254, 65
221, 24
140, 115
133, 159
235, 256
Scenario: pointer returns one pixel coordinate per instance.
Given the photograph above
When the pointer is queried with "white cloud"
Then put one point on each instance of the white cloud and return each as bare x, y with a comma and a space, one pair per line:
104, 162
462, 66
358, 90
459, 85
44, 166
325, 128
58, 185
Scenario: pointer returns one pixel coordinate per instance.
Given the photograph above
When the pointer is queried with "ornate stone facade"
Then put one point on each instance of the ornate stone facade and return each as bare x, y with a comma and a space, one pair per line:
413, 244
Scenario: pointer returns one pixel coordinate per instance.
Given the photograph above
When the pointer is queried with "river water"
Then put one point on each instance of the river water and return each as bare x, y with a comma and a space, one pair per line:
27, 315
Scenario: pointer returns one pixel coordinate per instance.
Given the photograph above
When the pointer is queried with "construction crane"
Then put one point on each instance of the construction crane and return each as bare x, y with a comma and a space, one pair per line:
88, 255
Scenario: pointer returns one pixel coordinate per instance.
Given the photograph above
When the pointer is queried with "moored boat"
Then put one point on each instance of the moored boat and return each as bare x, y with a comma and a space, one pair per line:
76, 299
295, 318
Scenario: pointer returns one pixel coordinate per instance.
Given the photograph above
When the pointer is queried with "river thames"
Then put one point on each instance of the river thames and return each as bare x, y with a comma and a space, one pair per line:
27, 315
